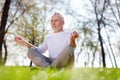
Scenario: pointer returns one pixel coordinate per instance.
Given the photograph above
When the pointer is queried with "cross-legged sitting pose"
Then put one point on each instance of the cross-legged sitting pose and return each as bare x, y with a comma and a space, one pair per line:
60, 46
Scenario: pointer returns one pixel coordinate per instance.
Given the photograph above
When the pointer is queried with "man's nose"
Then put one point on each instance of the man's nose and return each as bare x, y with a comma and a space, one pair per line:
53, 23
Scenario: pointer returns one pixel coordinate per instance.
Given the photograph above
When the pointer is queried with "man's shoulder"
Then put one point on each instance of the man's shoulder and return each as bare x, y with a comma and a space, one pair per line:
48, 36
67, 32
57, 34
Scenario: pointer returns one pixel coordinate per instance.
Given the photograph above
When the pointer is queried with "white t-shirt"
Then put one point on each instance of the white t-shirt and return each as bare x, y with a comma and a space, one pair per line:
54, 43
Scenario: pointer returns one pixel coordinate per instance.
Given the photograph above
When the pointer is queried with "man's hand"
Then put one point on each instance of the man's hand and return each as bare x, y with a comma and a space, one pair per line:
73, 36
23, 42
19, 40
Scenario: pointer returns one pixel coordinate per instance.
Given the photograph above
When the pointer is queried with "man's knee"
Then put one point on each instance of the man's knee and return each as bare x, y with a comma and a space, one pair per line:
69, 49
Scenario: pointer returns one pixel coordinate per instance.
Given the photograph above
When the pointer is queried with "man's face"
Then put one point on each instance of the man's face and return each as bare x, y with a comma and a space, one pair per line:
57, 23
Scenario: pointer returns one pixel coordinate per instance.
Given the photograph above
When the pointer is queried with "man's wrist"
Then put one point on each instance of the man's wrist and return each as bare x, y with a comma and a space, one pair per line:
72, 43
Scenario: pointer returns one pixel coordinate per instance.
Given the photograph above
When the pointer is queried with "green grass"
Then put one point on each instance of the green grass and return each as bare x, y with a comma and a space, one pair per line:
27, 73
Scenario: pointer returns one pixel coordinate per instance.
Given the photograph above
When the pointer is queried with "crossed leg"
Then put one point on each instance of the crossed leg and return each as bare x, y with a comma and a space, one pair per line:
64, 59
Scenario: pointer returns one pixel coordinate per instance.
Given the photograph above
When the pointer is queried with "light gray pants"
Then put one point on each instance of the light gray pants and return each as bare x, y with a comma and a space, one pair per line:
64, 59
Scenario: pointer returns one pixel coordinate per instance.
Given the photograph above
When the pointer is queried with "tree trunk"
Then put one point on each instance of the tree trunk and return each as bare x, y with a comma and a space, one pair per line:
3, 26
30, 64
101, 45
6, 52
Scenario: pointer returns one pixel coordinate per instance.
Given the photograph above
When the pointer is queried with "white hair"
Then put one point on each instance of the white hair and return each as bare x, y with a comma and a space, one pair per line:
56, 13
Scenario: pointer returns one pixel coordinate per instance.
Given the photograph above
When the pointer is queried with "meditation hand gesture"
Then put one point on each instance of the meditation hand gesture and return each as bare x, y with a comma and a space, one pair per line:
73, 36
19, 40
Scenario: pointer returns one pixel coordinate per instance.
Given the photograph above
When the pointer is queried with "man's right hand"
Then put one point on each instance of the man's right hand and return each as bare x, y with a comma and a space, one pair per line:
19, 40
23, 42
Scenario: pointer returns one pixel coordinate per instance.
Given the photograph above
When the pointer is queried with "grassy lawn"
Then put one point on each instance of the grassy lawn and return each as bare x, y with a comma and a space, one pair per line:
27, 73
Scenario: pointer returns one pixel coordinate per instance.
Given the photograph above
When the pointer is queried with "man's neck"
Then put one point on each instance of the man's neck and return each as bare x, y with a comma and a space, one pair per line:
59, 31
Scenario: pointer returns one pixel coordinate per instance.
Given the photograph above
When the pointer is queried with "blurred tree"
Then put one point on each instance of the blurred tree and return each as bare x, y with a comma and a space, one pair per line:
3, 26
99, 22
31, 27
30, 19
16, 10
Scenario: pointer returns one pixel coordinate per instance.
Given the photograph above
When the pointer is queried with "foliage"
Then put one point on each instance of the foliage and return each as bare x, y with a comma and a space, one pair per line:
33, 73
29, 18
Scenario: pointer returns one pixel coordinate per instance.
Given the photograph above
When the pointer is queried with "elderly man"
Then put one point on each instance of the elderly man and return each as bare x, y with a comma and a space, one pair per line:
60, 46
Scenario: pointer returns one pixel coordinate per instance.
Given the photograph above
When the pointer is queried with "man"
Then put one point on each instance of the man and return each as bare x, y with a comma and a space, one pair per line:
60, 46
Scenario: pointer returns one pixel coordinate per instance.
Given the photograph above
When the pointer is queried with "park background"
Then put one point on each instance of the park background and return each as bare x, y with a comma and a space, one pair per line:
96, 21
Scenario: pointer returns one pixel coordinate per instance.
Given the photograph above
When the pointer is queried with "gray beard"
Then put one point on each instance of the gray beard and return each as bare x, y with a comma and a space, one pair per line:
58, 29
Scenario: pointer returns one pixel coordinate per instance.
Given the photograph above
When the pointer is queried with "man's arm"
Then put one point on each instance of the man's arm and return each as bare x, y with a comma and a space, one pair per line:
73, 36
23, 42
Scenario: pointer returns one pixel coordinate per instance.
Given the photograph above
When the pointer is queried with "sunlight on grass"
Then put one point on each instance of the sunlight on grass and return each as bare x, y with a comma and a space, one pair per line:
28, 73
